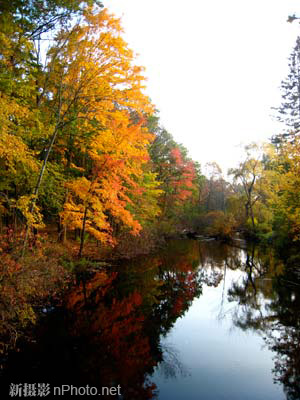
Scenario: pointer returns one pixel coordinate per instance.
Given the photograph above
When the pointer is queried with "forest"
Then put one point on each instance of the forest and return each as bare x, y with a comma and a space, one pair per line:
89, 175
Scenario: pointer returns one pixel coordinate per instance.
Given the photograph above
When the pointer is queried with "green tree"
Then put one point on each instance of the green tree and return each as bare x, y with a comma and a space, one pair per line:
289, 111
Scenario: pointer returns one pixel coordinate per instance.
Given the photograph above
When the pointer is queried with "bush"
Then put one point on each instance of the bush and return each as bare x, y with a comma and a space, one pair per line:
220, 225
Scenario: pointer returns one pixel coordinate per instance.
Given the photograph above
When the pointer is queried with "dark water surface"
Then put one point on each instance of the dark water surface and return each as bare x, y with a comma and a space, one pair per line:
199, 320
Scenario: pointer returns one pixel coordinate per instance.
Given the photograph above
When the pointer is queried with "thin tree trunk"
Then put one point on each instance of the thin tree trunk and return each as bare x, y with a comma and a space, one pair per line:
38, 184
65, 234
252, 216
42, 171
82, 232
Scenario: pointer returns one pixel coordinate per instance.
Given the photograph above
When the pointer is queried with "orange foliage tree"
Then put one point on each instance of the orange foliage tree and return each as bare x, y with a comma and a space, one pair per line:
98, 203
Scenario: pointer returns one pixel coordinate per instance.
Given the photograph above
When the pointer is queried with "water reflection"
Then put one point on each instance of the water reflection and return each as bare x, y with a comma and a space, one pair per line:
114, 330
268, 301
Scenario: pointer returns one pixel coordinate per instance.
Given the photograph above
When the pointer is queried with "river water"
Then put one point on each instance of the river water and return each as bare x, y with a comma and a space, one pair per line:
198, 320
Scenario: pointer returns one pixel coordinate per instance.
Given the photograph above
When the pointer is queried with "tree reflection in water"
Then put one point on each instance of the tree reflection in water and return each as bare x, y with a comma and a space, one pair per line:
110, 332
171, 366
268, 301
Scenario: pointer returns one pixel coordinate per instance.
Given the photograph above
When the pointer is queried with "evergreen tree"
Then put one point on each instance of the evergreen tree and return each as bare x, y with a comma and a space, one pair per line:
289, 110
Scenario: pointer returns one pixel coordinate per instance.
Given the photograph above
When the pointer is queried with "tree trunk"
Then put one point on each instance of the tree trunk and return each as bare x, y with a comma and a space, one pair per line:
252, 216
38, 184
82, 232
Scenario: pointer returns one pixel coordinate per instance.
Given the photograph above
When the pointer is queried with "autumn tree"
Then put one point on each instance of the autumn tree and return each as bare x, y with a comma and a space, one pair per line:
248, 173
179, 176
22, 26
100, 202
285, 190
90, 77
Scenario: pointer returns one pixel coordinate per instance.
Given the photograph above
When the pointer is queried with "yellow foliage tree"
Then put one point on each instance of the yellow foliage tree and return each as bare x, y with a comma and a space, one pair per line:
118, 155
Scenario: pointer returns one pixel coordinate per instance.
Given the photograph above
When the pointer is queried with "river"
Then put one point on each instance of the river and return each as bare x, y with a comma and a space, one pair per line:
197, 320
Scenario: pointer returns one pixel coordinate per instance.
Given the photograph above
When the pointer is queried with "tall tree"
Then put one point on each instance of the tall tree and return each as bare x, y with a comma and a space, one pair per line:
90, 77
248, 173
99, 201
289, 110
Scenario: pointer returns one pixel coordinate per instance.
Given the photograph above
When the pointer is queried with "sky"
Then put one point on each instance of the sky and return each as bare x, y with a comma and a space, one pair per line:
213, 68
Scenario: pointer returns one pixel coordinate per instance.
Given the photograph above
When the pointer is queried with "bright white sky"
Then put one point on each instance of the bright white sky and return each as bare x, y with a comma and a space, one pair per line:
214, 67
